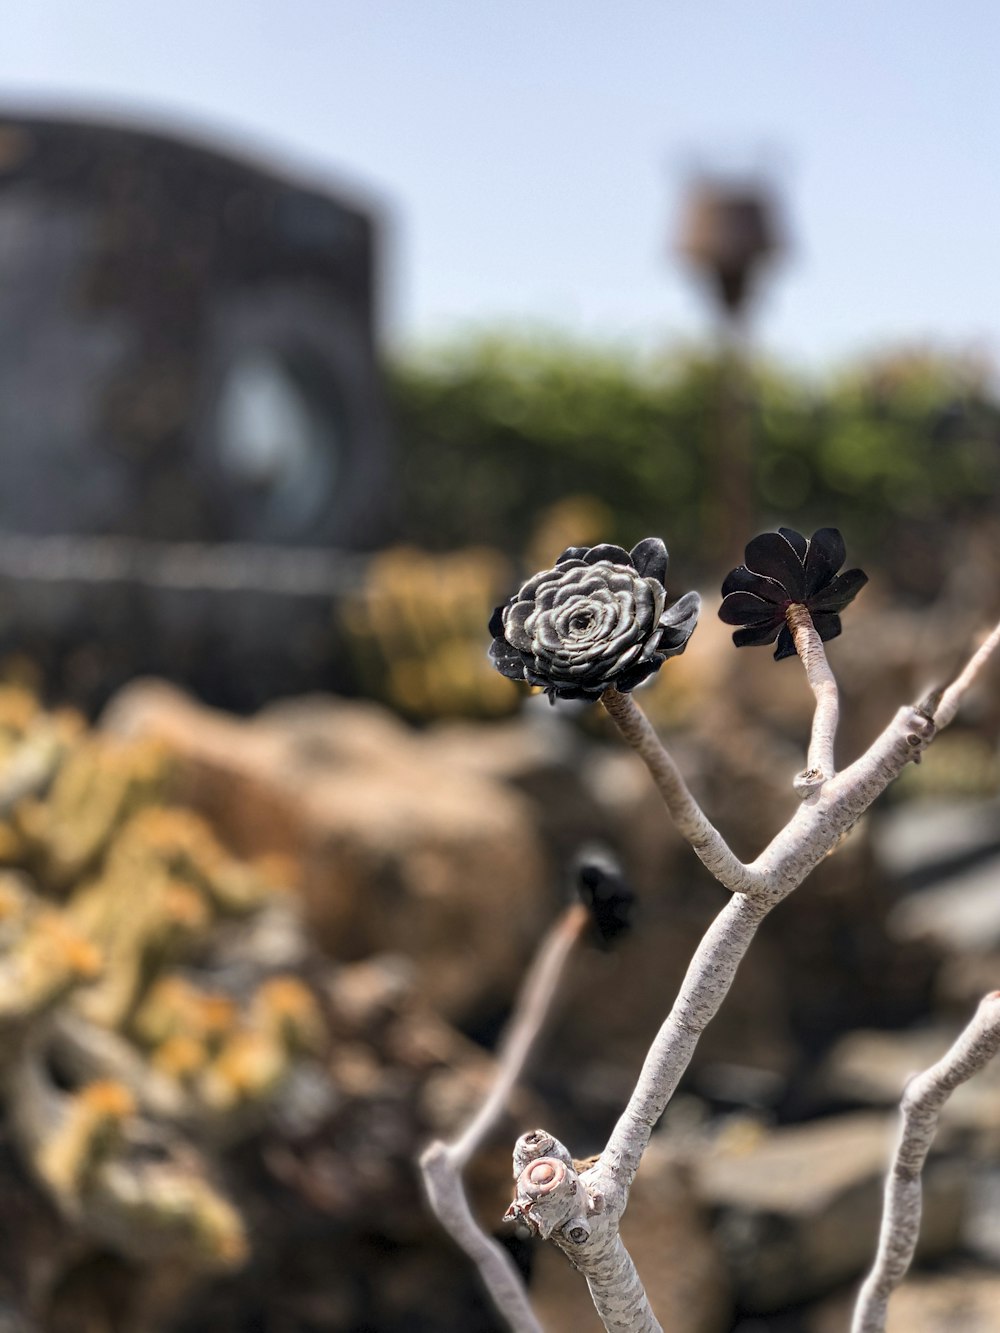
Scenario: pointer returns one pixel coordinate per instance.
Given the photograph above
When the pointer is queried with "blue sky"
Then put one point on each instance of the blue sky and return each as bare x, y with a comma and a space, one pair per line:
529, 155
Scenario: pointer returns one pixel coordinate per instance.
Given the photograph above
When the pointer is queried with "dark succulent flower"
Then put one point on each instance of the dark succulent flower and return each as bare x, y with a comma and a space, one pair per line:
604, 891
783, 569
598, 619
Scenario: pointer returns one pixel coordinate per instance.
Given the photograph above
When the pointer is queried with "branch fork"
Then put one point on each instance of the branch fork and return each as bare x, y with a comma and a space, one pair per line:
580, 1210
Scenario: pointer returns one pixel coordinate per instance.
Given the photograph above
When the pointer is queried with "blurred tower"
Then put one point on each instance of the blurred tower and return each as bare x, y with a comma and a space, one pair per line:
729, 234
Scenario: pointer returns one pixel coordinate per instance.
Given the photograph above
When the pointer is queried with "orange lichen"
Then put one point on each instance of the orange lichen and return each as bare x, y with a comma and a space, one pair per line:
108, 1098
180, 1056
66, 948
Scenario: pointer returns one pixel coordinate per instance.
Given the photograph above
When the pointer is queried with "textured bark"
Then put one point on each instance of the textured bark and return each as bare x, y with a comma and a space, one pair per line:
442, 1164
923, 1099
580, 1211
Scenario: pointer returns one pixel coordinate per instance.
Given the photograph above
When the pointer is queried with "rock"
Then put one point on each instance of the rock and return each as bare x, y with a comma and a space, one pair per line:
873, 1068
398, 848
966, 1301
799, 1208
961, 914
918, 838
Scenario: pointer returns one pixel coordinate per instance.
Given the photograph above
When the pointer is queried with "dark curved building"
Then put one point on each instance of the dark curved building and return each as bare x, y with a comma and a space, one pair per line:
192, 421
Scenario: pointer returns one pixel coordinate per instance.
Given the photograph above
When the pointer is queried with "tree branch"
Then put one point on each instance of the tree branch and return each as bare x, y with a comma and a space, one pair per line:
956, 691
687, 814
580, 1212
530, 1012
923, 1099
501, 1279
705, 986
819, 761
558, 1204
441, 1164
817, 826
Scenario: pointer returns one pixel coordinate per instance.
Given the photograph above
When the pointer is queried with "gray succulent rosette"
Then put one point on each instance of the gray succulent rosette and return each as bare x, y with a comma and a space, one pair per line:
599, 618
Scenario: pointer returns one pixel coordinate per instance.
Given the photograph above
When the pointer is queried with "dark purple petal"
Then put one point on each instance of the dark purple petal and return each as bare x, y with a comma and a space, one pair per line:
677, 624
634, 676
827, 624
534, 677
796, 541
547, 576
745, 608
650, 558
615, 555
742, 579
755, 636
844, 588
507, 660
572, 553
825, 556
785, 646
513, 625
555, 692
774, 556
496, 623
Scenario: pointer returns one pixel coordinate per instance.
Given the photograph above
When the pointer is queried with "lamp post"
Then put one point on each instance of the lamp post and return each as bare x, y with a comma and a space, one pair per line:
728, 235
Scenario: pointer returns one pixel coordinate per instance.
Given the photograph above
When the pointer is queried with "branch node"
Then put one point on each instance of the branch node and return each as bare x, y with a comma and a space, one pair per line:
535, 1144
808, 782
928, 705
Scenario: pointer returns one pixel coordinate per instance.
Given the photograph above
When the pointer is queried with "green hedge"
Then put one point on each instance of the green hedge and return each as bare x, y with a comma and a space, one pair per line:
492, 431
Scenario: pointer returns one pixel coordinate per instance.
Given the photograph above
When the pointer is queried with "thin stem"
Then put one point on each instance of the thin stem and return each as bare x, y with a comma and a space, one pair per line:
684, 810
441, 1164
812, 654
705, 986
494, 1265
922, 1101
952, 696
616, 1289
530, 1012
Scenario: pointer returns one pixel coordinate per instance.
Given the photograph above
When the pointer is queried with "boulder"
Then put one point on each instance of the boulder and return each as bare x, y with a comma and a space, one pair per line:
395, 849
872, 1068
798, 1208
965, 1301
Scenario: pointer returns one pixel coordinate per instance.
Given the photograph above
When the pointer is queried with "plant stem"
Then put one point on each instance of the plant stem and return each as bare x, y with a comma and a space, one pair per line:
687, 814
923, 1099
812, 654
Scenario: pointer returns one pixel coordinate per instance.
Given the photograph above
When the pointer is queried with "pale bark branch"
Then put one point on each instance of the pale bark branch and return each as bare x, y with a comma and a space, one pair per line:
561, 1205
923, 1099
501, 1279
691, 821
441, 1164
819, 762
530, 1012
705, 986
831, 805
820, 822
956, 691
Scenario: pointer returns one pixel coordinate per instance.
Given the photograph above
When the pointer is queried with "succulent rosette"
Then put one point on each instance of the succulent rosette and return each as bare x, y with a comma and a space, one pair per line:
598, 619
784, 569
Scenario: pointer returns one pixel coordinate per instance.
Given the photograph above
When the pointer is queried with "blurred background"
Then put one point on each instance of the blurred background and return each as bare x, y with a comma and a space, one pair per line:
320, 327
